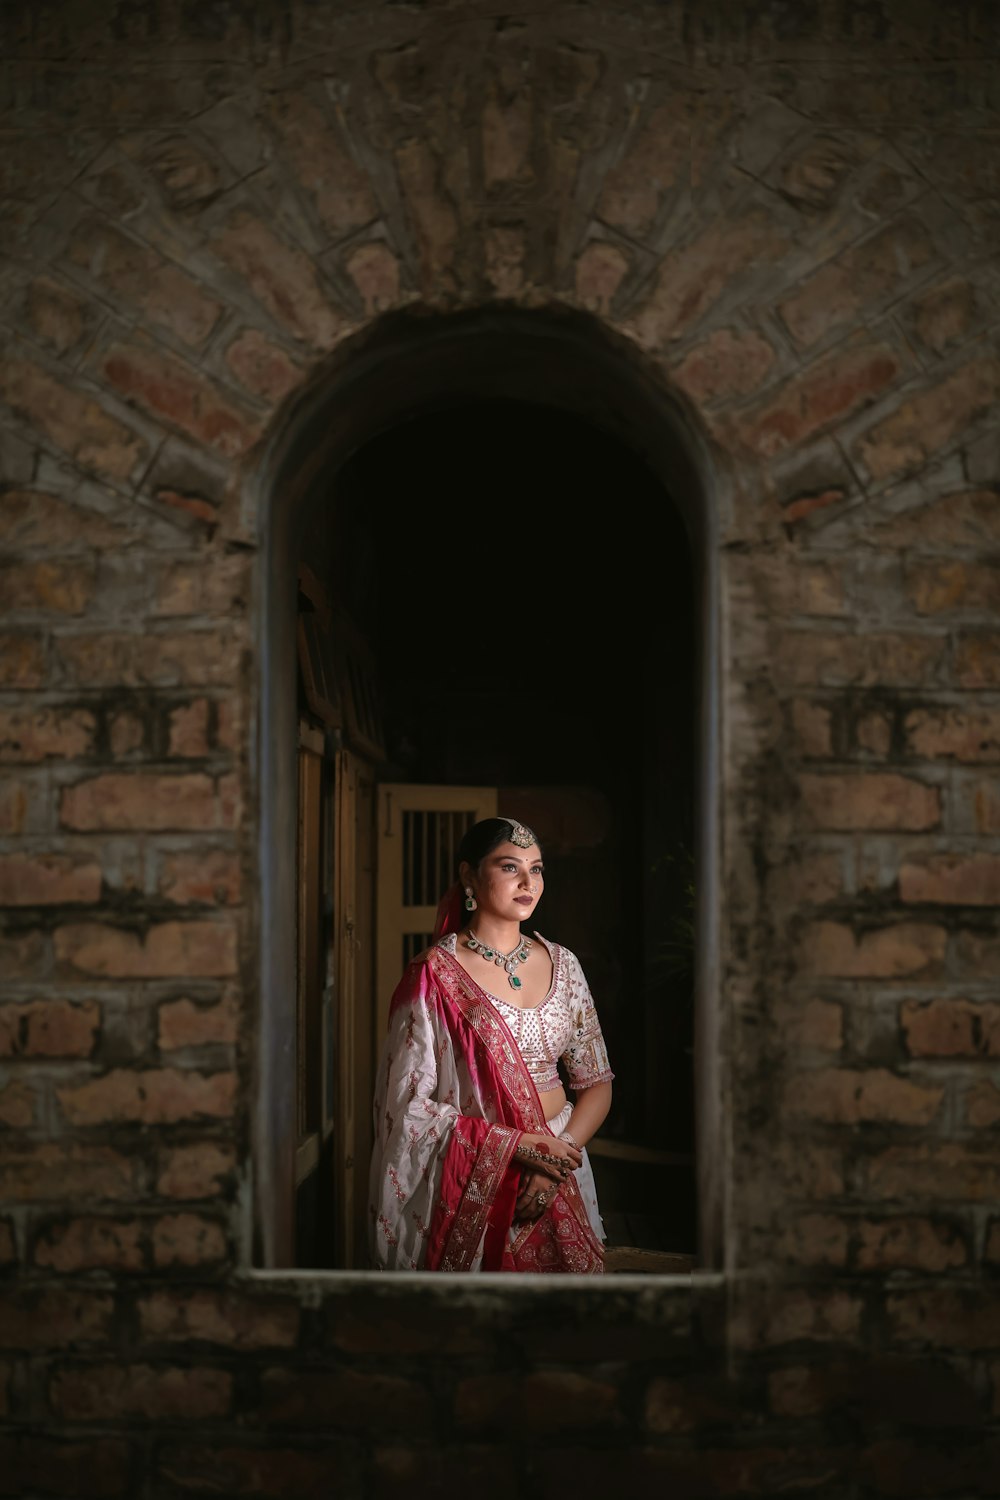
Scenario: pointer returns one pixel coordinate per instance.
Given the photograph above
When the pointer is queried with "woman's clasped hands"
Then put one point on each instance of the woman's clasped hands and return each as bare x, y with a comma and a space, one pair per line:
549, 1161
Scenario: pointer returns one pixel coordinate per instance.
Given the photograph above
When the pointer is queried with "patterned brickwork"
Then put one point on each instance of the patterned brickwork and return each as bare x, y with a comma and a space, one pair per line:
789, 215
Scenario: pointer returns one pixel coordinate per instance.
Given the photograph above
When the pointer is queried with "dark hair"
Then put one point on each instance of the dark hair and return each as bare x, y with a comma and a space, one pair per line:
482, 838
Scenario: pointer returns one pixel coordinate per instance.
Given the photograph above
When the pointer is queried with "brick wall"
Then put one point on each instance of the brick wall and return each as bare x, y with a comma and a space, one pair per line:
788, 214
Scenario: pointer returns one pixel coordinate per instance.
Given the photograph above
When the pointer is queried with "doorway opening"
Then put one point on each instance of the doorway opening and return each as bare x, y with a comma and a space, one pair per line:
512, 597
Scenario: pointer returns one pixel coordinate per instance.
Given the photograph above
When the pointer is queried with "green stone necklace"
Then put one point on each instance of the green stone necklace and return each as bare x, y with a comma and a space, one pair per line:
508, 961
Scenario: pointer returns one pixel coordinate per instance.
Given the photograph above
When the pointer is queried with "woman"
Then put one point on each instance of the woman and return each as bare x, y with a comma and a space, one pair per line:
479, 1160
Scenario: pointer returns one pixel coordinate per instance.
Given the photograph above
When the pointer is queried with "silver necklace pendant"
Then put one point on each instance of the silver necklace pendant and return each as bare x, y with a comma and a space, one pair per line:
507, 961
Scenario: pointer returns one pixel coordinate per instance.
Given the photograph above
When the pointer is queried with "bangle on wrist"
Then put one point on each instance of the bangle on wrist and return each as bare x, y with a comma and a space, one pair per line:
564, 1135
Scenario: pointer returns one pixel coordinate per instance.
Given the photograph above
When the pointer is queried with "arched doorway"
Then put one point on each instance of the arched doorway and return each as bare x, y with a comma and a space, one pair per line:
513, 478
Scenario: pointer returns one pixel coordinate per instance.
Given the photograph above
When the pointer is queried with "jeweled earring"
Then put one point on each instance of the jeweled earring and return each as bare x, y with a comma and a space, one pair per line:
470, 900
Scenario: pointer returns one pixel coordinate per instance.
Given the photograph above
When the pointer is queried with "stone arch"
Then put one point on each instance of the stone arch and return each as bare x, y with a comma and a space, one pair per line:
407, 364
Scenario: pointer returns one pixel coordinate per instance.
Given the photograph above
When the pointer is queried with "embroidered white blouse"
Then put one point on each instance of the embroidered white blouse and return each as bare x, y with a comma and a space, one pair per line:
564, 1025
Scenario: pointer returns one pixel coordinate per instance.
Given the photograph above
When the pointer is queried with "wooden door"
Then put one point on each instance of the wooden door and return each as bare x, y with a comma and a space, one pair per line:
419, 831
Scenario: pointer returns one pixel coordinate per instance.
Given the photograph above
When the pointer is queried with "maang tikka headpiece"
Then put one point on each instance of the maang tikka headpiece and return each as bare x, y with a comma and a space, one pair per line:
519, 835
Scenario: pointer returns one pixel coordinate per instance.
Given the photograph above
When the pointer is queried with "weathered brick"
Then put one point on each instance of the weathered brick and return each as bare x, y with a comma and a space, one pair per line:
65, 1172
986, 805
91, 1243
793, 1315
694, 1401
188, 729
57, 316
969, 735
218, 1317
169, 390
812, 725
351, 1399
137, 800
22, 660
728, 363
229, 724
808, 880
282, 279
949, 1317
56, 588
945, 1173
374, 269
927, 424
54, 1317
807, 1171
431, 214
691, 280
798, 1390
977, 954
32, 518
190, 659
977, 659
72, 422
565, 1399
864, 274
962, 879
185, 174
507, 119
188, 1240
219, 588
340, 191
143, 1392
183, 1023
908, 1243
951, 585
945, 315
263, 367
909, 1471
140, 277
982, 1105
814, 1240
31, 735
22, 955
271, 1473
951, 1027
600, 271
816, 659
211, 878
843, 1096
165, 951
126, 734
18, 1106
153, 1096
198, 1171
902, 950
49, 1028
869, 801
480, 1400
482, 1468
51, 1465
827, 392
16, 798
670, 149
813, 1025
963, 518
48, 879
873, 732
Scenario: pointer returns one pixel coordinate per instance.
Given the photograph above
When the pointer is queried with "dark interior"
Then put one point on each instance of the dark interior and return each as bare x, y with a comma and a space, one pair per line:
526, 587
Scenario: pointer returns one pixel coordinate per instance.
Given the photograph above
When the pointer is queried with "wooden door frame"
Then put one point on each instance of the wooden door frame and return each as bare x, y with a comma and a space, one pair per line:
406, 364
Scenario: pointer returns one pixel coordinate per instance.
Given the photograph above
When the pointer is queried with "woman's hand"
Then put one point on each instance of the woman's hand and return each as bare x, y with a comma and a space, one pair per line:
549, 1155
534, 1196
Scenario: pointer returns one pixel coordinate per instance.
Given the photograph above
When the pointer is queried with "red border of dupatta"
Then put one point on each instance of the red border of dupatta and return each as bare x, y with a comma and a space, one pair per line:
486, 1190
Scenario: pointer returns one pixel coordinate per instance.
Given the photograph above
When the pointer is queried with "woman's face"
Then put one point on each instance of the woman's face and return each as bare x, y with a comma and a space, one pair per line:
508, 884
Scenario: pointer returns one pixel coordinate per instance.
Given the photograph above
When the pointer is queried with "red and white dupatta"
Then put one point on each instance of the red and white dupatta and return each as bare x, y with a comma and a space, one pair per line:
452, 1099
